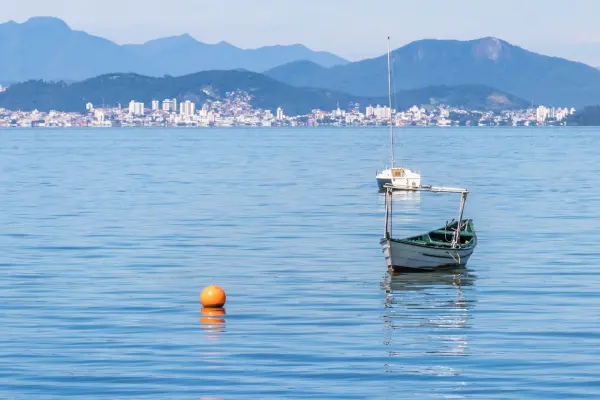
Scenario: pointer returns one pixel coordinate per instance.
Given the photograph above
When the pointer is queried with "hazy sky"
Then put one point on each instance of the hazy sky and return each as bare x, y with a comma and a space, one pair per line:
351, 28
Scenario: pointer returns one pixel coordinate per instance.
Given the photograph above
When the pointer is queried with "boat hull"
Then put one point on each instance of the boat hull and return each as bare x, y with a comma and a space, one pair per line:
404, 255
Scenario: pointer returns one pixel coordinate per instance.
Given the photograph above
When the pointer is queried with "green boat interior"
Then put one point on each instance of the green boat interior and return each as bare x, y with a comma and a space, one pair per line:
443, 237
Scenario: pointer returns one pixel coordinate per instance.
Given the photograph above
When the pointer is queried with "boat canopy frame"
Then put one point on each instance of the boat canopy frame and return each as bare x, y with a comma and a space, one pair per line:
389, 189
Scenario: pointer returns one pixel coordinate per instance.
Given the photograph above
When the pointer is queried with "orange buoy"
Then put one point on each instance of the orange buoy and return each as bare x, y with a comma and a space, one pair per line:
213, 297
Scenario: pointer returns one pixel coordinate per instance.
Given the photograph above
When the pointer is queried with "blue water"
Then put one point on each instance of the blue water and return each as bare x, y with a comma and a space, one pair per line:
107, 238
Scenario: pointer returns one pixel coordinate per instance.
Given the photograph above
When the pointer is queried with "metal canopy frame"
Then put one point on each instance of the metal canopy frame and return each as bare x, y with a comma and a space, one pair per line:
389, 189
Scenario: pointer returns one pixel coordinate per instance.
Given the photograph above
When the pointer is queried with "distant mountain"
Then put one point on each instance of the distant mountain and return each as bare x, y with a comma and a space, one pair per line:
470, 97
488, 61
46, 48
267, 93
302, 74
113, 89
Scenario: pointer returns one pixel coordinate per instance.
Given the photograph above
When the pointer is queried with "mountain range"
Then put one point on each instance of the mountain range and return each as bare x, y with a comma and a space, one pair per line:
267, 93
47, 48
488, 61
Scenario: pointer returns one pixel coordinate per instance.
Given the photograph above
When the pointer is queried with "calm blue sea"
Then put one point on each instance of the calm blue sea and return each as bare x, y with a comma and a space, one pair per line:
108, 236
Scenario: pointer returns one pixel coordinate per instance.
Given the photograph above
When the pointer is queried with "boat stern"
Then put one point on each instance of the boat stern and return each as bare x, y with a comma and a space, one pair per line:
381, 182
387, 251
383, 178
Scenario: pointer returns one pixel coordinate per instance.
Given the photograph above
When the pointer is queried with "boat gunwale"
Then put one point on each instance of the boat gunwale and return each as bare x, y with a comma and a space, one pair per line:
472, 244
413, 240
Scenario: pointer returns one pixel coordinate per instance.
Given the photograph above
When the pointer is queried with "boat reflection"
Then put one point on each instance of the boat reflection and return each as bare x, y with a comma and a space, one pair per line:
409, 202
212, 323
401, 195
427, 314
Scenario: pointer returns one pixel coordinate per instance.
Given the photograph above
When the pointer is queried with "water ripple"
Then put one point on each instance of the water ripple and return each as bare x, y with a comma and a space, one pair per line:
108, 237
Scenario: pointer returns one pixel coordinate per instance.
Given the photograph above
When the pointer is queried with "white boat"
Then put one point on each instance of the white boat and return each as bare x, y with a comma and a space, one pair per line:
449, 246
402, 178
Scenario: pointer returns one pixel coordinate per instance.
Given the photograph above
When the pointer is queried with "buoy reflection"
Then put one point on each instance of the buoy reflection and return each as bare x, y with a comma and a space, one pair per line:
211, 321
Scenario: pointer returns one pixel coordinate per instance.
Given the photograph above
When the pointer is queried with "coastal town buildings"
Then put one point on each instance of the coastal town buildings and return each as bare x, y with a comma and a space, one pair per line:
235, 109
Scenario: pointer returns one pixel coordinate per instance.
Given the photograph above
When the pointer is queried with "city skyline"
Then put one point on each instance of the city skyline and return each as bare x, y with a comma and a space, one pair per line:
352, 30
236, 110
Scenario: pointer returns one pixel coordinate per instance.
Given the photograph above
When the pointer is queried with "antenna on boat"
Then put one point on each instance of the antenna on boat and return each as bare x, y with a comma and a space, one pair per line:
390, 101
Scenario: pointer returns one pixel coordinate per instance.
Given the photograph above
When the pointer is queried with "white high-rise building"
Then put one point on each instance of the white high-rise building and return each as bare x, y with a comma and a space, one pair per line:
541, 114
211, 116
154, 105
136, 108
280, 114
89, 107
174, 104
187, 108
369, 112
167, 105
139, 108
382, 112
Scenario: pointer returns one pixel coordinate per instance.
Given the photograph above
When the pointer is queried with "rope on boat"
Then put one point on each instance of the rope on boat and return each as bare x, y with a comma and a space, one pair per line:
455, 260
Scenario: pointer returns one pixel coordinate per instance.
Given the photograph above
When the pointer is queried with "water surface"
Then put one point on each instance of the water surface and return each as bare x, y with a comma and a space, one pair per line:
108, 236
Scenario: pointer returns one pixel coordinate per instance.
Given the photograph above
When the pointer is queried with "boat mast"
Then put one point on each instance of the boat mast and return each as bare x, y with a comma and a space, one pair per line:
390, 102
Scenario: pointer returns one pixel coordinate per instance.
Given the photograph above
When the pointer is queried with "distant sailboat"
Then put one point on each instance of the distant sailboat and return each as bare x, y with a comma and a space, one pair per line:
400, 177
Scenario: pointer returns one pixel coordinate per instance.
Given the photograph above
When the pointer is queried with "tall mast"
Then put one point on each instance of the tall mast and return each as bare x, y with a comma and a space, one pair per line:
390, 101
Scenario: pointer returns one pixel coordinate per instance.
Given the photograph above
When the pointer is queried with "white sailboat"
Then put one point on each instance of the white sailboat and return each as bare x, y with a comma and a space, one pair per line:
401, 178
